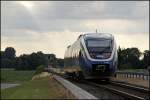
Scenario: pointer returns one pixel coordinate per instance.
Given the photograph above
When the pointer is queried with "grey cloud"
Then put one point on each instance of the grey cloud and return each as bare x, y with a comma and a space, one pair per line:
26, 27
15, 16
94, 10
69, 15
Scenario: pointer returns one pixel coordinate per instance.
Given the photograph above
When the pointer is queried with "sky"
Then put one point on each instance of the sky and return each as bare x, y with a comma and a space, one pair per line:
50, 26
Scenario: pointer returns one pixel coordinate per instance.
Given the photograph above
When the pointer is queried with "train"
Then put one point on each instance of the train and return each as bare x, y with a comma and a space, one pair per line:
92, 56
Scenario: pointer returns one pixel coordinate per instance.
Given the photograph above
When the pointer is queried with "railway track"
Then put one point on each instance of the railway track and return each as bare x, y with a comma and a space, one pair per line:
100, 93
131, 86
125, 90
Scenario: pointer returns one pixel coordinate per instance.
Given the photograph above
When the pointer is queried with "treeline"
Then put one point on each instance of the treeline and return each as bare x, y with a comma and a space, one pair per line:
28, 62
129, 58
132, 58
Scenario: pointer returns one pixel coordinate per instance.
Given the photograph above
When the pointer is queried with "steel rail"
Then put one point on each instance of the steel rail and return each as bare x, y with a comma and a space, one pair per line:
125, 94
131, 86
119, 92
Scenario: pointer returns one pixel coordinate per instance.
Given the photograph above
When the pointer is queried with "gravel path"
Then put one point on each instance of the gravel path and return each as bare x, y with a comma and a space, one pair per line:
8, 85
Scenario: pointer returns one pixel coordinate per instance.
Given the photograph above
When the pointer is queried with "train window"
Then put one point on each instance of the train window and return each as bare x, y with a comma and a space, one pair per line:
98, 43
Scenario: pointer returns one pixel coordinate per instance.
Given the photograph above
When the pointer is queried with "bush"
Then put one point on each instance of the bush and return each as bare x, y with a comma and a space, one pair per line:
126, 66
39, 69
7, 63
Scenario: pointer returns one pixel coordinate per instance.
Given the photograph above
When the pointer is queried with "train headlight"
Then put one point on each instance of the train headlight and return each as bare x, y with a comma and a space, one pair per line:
107, 55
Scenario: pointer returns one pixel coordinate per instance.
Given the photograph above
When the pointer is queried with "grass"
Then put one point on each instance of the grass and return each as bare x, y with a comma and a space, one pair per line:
44, 88
13, 76
41, 88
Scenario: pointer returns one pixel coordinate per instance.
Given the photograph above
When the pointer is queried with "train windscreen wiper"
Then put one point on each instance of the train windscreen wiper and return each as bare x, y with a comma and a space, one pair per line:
104, 49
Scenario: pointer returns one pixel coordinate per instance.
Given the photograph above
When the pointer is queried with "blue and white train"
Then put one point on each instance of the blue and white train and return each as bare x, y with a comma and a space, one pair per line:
92, 56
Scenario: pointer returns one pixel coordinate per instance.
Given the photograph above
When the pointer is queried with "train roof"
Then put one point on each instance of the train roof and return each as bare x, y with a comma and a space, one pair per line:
98, 35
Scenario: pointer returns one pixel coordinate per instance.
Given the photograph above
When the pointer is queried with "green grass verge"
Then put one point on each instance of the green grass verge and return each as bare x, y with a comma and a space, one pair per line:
34, 89
15, 76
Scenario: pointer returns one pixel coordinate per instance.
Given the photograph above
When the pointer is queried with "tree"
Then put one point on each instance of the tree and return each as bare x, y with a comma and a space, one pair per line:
2, 54
133, 57
30, 62
39, 69
8, 58
6, 63
27, 62
10, 53
128, 58
120, 58
19, 64
36, 59
146, 60
22, 63
52, 60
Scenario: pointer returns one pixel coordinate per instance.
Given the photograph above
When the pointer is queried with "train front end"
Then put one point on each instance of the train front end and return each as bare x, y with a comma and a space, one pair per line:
99, 56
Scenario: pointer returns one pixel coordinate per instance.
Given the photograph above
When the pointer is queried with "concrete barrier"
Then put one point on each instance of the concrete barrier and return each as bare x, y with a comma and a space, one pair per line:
76, 91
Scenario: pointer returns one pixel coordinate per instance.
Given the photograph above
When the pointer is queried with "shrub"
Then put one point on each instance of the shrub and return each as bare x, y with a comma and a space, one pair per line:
39, 69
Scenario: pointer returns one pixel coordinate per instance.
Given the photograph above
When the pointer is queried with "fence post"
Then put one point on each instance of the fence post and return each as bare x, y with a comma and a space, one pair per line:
143, 76
149, 73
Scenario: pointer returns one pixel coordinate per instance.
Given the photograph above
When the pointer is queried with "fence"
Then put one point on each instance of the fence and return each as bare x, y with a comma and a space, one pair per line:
138, 75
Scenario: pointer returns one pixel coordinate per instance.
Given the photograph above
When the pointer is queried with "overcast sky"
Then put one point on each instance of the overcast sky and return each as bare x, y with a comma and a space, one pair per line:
50, 26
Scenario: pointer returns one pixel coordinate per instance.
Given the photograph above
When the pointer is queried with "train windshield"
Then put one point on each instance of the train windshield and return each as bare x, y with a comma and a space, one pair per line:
99, 45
